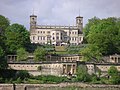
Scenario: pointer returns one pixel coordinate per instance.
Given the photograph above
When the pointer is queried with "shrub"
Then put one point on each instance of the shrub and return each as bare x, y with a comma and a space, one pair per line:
22, 74
82, 74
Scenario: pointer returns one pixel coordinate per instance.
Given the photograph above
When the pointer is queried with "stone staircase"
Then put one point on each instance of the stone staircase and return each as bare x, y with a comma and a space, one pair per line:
60, 48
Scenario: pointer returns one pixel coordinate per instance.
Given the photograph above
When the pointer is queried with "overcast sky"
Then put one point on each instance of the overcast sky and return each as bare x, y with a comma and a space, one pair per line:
58, 12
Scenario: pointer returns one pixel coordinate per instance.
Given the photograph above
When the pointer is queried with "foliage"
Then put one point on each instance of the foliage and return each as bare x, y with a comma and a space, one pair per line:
82, 74
16, 37
112, 71
88, 27
50, 79
114, 75
39, 54
3, 61
22, 74
91, 52
22, 54
4, 22
104, 33
1, 52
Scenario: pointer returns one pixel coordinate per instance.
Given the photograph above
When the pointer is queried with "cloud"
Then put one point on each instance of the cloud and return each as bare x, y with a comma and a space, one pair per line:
60, 12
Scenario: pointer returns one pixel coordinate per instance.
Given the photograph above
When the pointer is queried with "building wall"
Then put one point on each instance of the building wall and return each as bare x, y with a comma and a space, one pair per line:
93, 68
57, 69
40, 33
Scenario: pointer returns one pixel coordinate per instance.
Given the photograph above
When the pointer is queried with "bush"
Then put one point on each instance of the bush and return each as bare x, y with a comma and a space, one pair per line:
114, 75
22, 74
50, 79
82, 74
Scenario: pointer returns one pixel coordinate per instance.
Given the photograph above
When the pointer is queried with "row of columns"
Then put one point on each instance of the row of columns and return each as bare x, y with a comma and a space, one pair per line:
69, 69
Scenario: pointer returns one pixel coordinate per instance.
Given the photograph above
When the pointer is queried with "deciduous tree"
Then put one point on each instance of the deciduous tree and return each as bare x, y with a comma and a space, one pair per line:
39, 54
16, 37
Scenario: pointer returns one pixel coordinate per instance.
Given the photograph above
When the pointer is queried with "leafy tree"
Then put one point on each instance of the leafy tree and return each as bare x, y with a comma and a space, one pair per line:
112, 71
3, 62
1, 52
82, 74
21, 54
39, 54
16, 37
88, 27
114, 75
91, 52
4, 22
22, 74
105, 34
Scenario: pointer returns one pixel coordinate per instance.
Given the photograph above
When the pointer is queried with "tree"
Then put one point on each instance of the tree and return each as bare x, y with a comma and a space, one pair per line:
22, 54
39, 54
114, 75
1, 52
88, 27
3, 62
16, 37
4, 23
91, 52
82, 74
105, 34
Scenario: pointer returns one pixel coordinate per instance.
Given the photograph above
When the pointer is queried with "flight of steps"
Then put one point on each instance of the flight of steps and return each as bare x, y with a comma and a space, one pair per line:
60, 48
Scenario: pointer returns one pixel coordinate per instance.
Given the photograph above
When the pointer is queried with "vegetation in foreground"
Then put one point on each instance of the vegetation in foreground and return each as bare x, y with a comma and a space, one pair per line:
12, 76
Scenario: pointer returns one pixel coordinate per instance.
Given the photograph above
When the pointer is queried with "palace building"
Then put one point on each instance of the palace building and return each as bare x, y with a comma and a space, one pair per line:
56, 35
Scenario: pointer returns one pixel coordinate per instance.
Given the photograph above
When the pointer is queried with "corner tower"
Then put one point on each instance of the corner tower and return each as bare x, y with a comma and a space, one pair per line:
33, 21
79, 23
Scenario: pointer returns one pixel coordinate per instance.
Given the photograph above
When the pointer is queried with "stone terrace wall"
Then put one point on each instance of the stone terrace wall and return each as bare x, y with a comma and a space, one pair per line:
38, 86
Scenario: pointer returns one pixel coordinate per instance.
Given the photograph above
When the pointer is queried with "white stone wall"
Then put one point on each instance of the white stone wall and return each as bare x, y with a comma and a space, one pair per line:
46, 69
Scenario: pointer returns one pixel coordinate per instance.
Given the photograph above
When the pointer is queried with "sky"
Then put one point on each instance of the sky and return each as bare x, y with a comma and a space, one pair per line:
57, 12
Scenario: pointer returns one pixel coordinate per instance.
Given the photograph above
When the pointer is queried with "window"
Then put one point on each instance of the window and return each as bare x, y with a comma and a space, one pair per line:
57, 38
43, 31
43, 38
53, 34
32, 18
33, 37
80, 38
72, 32
75, 32
57, 33
53, 38
38, 31
48, 31
75, 38
38, 37
72, 38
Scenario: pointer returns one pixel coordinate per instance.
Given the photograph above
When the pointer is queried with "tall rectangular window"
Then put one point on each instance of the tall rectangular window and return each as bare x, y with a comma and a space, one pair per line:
57, 38
33, 37
43, 38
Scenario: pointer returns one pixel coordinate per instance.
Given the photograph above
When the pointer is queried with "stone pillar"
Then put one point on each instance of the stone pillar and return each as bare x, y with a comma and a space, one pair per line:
72, 69
66, 69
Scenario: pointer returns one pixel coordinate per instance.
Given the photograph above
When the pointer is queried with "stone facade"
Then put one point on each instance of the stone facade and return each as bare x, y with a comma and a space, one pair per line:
48, 68
56, 35
115, 58
103, 67
60, 65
